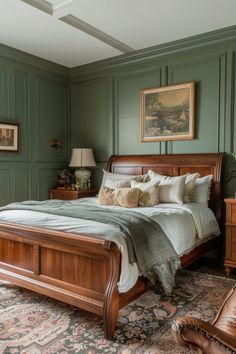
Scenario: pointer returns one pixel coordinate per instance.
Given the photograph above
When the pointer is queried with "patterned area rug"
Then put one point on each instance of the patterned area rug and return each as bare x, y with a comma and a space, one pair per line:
31, 323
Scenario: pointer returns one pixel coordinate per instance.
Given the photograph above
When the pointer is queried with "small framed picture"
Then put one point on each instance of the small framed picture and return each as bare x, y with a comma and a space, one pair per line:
168, 113
9, 137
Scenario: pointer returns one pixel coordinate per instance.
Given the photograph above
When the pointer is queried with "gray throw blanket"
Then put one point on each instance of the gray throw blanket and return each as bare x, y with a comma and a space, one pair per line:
147, 243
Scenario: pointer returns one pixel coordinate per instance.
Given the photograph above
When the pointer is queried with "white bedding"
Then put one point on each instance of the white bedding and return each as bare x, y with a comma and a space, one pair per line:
185, 225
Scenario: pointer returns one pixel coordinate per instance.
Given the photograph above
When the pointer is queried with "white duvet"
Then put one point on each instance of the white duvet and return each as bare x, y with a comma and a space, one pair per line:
185, 225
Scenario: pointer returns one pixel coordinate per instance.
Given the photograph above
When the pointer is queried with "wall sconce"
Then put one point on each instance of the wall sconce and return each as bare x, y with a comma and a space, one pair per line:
55, 144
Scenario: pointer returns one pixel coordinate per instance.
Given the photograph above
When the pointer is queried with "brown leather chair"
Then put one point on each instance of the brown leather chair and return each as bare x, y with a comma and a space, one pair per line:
217, 337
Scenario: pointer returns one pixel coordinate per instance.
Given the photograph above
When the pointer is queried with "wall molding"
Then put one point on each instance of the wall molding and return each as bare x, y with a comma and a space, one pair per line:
174, 47
16, 55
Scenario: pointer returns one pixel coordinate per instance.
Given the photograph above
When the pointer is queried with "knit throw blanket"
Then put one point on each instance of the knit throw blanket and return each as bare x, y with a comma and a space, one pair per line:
146, 242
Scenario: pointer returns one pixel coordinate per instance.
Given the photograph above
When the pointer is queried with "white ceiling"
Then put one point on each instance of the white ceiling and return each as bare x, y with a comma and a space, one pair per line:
76, 32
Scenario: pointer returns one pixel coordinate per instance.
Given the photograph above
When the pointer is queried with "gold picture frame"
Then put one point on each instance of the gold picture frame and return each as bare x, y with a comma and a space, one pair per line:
9, 137
168, 113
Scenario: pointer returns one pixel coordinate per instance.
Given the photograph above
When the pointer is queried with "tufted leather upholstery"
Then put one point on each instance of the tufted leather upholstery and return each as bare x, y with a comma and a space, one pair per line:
217, 337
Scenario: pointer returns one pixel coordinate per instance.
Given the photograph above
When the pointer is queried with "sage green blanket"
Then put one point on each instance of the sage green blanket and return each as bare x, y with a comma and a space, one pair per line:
147, 243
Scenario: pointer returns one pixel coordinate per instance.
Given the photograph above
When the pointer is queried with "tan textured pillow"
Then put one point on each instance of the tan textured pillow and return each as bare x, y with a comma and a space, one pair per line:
125, 197
106, 196
149, 193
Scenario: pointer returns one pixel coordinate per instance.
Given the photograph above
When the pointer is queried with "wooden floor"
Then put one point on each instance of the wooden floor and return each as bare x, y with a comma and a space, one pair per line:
210, 266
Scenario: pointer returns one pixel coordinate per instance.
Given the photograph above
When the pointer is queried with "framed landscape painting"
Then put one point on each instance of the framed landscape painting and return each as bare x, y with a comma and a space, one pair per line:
168, 113
9, 137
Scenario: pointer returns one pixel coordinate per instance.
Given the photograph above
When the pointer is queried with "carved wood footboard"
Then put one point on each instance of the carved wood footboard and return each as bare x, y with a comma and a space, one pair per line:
80, 270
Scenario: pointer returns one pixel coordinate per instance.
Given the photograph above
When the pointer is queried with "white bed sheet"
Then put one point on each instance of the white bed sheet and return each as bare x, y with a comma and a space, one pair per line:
185, 225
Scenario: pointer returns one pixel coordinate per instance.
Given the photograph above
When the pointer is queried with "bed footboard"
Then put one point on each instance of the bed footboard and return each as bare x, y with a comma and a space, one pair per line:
80, 270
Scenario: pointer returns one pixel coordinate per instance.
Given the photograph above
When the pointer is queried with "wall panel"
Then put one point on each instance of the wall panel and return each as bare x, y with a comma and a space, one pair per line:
40, 116
49, 119
5, 191
208, 80
127, 110
3, 93
90, 124
20, 109
22, 183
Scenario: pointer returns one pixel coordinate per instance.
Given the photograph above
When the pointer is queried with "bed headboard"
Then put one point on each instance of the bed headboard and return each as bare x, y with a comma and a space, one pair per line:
175, 165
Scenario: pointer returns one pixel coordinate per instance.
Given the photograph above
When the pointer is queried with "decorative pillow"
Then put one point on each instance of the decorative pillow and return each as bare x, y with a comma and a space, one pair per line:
118, 177
190, 182
202, 190
149, 192
125, 197
171, 189
110, 183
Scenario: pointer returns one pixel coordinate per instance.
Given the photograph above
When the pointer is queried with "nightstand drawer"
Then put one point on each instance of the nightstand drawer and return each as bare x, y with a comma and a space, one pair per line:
230, 247
70, 195
63, 194
233, 213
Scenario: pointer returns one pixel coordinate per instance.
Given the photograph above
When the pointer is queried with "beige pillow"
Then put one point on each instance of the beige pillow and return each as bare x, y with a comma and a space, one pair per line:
171, 189
149, 192
190, 182
125, 197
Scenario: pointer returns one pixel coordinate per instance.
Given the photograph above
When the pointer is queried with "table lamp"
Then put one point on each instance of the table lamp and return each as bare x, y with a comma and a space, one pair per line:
82, 158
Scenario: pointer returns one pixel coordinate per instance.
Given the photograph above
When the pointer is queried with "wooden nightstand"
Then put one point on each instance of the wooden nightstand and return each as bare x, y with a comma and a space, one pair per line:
69, 195
230, 250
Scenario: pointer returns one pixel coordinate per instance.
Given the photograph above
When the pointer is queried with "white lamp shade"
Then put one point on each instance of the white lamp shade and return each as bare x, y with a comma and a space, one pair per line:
82, 158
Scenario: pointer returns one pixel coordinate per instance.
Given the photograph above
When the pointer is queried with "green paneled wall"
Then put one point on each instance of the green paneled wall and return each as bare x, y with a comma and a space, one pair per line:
98, 105
34, 94
208, 60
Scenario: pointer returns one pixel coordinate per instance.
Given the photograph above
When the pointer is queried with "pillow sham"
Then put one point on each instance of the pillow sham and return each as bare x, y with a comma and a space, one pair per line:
125, 197
119, 177
110, 183
171, 189
190, 182
202, 190
149, 192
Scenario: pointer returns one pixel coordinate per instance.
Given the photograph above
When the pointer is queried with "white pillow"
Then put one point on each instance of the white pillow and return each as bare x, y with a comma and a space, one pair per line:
202, 190
119, 177
190, 182
115, 177
171, 188
114, 184
149, 192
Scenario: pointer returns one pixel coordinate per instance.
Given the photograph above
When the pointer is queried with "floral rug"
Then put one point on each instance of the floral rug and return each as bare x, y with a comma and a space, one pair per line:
33, 324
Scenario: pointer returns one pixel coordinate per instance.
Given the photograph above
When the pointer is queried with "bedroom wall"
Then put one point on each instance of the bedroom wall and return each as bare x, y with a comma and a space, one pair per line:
105, 103
33, 93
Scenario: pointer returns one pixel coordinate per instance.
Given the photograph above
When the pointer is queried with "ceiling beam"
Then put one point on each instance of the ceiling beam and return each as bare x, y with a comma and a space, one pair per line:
63, 7
42, 5
93, 31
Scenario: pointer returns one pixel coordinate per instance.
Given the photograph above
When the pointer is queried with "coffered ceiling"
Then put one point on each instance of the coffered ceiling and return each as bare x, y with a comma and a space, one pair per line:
77, 32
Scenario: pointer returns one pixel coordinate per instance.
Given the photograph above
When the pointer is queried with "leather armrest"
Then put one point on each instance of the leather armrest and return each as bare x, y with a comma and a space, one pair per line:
194, 332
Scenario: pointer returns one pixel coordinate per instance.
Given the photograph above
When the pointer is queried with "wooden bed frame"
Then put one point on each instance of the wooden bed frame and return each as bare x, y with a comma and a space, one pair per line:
82, 270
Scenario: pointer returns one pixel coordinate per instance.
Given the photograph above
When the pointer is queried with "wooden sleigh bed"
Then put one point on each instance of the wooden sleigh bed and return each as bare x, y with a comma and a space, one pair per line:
83, 271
